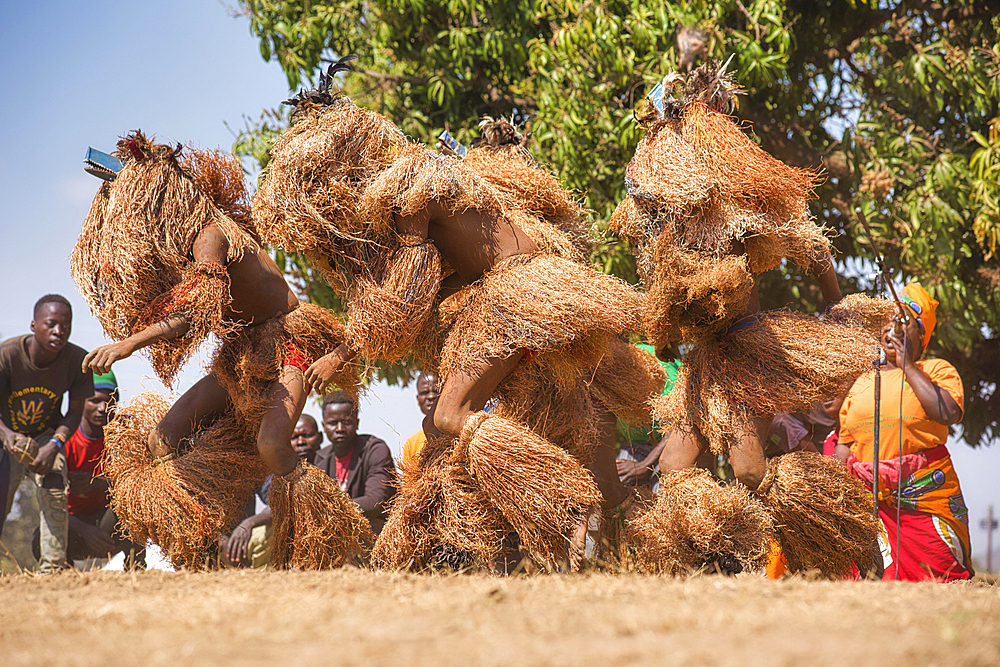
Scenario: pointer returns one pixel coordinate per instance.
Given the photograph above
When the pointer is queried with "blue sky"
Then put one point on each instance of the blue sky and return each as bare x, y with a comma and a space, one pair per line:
79, 74
82, 74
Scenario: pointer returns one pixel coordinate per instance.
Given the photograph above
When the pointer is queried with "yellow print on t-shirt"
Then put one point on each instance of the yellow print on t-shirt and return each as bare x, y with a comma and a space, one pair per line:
30, 407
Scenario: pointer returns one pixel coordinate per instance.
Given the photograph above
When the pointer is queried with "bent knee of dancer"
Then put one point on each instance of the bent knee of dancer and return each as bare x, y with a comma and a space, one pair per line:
450, 416
681, 450
450, 422
750, 475
747, 454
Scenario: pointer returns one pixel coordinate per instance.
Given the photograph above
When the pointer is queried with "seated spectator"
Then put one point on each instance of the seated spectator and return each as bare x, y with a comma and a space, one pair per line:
249, 545
94, 531
360, 463
427, 396
638, 457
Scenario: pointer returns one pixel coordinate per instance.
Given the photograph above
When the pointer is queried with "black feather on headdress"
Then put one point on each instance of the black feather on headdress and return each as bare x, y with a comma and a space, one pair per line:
714, 86
136, 147
321, 96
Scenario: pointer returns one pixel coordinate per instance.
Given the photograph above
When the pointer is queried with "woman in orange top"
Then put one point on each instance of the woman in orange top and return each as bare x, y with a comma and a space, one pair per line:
932, 526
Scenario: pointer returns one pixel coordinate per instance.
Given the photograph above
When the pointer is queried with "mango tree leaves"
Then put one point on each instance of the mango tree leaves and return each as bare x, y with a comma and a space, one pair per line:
900, 105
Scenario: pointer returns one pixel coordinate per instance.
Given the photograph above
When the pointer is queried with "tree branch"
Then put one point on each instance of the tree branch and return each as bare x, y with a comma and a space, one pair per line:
393, 78
756, 27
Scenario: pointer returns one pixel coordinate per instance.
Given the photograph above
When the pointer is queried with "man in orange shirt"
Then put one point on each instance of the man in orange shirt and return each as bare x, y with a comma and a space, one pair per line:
917, 483
427, 396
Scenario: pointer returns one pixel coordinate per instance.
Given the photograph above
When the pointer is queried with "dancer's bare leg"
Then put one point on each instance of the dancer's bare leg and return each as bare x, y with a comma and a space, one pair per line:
747, 455
683, 448
603, 466
614, 494
466, 393
274, 439
197, 405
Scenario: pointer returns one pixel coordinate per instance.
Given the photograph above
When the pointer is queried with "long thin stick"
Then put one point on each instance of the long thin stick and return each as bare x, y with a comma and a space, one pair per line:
875, 454
899, 454
881, 263
878, 371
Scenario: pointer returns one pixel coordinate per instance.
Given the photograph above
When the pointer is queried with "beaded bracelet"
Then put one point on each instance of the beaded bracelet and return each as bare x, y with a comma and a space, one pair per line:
60, 441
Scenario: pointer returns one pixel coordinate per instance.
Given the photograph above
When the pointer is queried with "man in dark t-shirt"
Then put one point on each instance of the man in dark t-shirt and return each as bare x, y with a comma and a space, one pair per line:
36, 371
361, 463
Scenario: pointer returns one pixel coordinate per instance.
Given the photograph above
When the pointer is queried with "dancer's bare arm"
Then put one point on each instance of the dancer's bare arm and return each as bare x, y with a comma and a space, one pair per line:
210, 246
826, 276
100, 359
413, 230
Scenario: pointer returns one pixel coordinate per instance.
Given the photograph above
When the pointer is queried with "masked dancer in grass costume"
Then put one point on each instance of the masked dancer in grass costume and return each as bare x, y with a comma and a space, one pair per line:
708, 210
473, 266
167, 255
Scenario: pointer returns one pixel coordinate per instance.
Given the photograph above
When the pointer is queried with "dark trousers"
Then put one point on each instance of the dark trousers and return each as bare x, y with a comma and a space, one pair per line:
78, 549
4, 484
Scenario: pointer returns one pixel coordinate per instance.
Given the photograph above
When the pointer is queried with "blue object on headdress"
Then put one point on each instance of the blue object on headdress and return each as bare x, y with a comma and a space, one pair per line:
102, 165
452, 143
656, 97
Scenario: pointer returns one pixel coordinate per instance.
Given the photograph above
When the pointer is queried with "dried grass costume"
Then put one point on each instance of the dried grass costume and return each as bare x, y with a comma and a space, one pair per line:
133, 263
336, 179
696, 524
707, 209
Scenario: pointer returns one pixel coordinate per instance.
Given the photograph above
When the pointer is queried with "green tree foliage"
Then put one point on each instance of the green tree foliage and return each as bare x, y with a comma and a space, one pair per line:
899, 103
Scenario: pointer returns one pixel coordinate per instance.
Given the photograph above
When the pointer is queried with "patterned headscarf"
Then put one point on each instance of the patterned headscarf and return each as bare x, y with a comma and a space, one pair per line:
922, 305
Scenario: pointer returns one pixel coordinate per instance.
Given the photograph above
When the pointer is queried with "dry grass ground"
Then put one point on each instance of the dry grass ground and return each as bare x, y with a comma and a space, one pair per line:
357, 617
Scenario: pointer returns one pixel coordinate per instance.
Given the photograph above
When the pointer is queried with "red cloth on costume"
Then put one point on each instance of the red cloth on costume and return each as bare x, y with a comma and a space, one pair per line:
296, 358
84, 454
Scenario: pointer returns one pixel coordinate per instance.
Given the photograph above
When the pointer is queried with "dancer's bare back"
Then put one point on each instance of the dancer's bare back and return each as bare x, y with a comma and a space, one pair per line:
471, 241
256, 286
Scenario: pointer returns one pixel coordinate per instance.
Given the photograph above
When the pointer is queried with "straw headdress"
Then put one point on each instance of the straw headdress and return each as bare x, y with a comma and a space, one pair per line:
133, 260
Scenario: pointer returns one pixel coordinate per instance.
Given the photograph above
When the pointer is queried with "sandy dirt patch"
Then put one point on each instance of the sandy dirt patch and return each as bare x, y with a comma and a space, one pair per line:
357, 617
